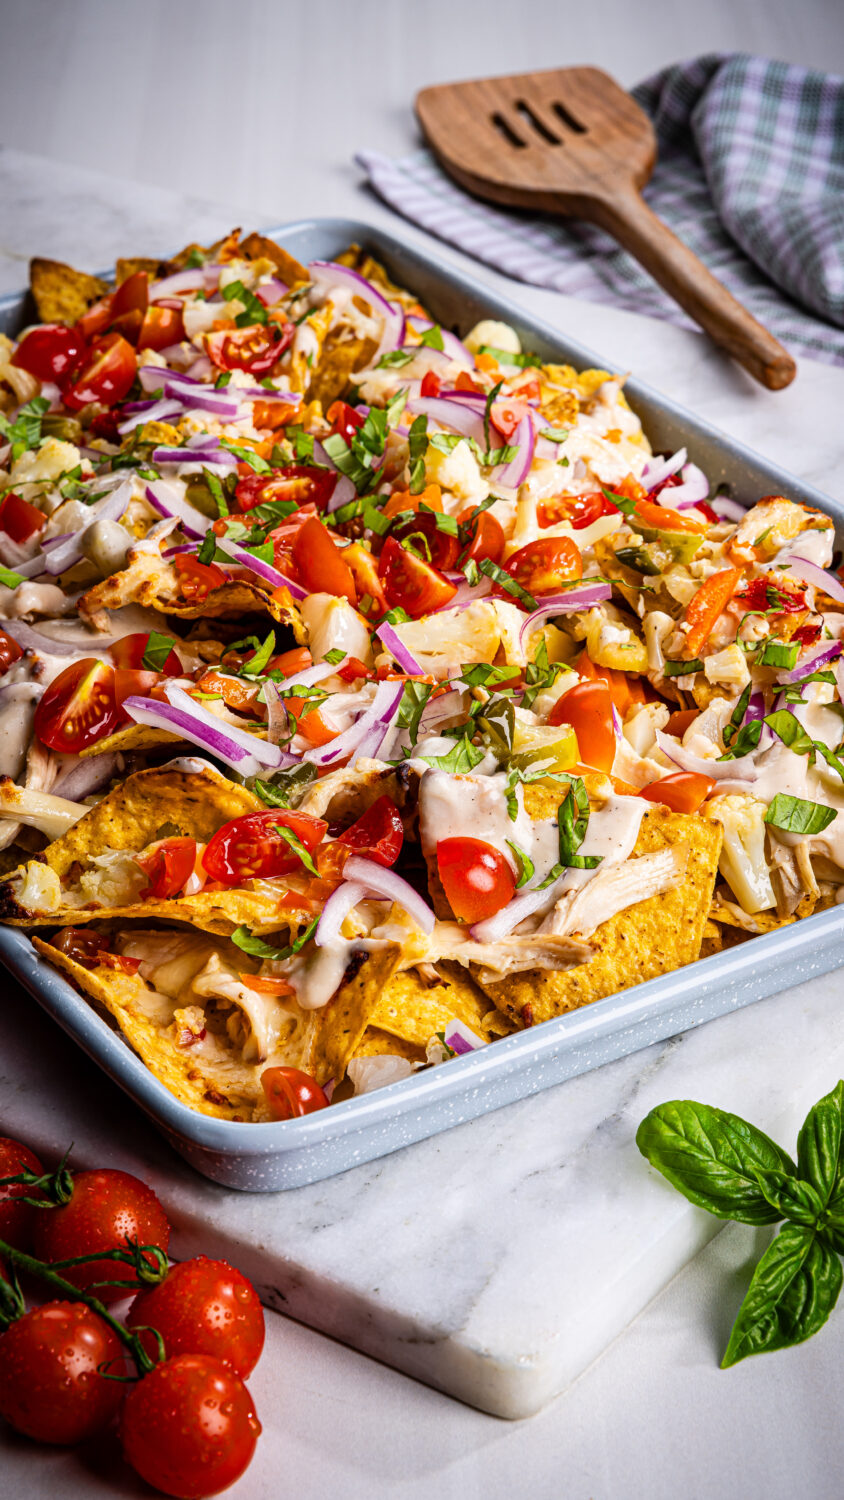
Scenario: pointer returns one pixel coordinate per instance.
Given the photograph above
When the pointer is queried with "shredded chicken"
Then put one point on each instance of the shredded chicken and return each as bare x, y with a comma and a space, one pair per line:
580, 911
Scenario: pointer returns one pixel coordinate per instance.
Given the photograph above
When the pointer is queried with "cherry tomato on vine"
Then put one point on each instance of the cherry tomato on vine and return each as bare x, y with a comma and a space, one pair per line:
105, 375
301, 483
291, 1093
545, 566
476, 878
49, 352
189, 1427
486, 537
411, 582
683, 792
167, 864
19, 519
588, 709
129, 651
319, 562
255, 349
249, 847
10, 652
197, 580
203, 1307
16, 1218
107, 1208
78, 708
51, 1387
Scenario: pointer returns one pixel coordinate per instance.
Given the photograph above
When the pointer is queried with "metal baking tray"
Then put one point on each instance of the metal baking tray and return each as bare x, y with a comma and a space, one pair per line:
269, 1157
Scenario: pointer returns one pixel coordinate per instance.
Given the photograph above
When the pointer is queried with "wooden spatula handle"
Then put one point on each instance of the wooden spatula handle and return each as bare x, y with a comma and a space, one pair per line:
628, 219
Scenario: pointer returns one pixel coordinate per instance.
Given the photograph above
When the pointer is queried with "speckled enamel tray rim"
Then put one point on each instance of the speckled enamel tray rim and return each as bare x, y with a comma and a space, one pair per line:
273, 1156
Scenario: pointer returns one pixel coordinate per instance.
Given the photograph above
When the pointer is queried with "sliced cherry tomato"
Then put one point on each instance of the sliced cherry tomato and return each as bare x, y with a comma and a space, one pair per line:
706, 606
363, 566
423, 532
234, 691
203, 1307
465, 382
764, 594
249, 847
545, 566
431, 384
197, 580
255, 349
161, 327
310, 722
576, 511
107, 1209
486, 536
78, 708
95, 321
189, 1427
132, 295
49, 352
10, 652
412, 582
319, 562
298, 482
345, 421
476, 878
129, 683
52, 1387
168, 864
588, 708
507, 412
16, 1218
130, 650
684, 792
625, 689
19, 519
402, 500
378, 834
681, 720
105, 376
291, 1093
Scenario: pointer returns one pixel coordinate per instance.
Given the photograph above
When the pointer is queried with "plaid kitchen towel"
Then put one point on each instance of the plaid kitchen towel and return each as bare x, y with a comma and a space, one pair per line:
750, 174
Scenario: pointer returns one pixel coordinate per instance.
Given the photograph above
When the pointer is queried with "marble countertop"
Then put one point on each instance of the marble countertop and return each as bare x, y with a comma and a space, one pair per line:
654, 1417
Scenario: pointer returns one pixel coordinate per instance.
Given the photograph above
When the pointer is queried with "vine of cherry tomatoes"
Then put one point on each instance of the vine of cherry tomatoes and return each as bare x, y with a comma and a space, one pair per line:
195, 1330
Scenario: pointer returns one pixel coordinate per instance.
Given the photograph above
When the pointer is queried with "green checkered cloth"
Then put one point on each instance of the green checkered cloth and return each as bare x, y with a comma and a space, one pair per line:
750, 175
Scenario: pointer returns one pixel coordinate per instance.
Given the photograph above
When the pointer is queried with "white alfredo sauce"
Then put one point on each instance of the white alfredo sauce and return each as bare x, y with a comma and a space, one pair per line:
475, 807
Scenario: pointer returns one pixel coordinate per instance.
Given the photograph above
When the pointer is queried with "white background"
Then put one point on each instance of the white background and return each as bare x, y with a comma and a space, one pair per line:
260, 106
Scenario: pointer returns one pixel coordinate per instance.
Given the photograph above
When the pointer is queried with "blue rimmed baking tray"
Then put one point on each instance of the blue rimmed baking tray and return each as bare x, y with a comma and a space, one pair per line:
265, 1158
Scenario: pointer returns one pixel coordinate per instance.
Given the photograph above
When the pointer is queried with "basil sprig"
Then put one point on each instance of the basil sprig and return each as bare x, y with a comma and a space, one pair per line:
724, 1164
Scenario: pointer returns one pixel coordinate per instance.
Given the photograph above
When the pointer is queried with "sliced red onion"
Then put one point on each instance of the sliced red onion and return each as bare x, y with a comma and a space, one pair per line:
811, 573
391, 640
367, 735
438, 710
448, 413
148, 411
508, 918
461, 1039
727, 509
378, 881
342, 493
820, 657
658, 469
67, 550
163, 497
264, 393
261, 569
336, 910
452, 346
584, 595
755, 706
743, 768
326, 273
190, 392
272, 291
182, 715
694, 488
180, 283
33, 640
87, 776
516, 471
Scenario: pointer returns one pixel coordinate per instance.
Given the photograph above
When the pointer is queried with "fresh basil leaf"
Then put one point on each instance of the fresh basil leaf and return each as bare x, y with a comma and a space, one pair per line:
256, 664
712, 1157
394, 359
794, 1200
798, 814
335, 656
746, 740
524, 863
461, 759
208, 548
819, 1154
510, 586
792, 1292
156, 651
9, 579
682, 668
297, 847
504, 357
418, 446
215, 489
790, 731
737, 715
414, 698
244, 939
446, 442
255, 311
572, 823
288, 788
779, 654
432, 338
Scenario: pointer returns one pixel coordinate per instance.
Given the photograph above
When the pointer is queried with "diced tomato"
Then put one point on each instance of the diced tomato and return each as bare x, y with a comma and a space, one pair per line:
297, 659
298, 482
345, 421
19, 519
465, 382
545, 566
764, 594
129, 651
706, 606
411, 582
161, 327
95, 321
10, 651
486, 536
78, 708
130, 682
476, 878
378, 833
270, 415
255, 349
249, 847
625, 690
196, 579
576, 511
319, 562
588, 709
49, 352
364, 570
807, 634
507, 412
354, 670
680, 721
431, 384
168, 864
309, 721
106, 375
684, 792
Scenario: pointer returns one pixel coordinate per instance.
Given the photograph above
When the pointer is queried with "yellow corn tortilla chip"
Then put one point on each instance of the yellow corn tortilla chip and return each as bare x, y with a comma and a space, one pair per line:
653, 937
144, 582
61, 294
414, 1010
347, 1015
290, 270
375, 1043
131, 265
712, 941
132, 737
337, 362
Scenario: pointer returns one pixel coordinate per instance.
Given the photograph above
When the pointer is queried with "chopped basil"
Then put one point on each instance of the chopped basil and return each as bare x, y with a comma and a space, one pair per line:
510, 586
288, 788
244, 939
572, 822
524, 863
208, 548
462, 758
25, 432
156, 651
222, 380
396, 616
470, 572
627, 507
247, 456
446, 442
504, 357
297, 847
394, 359
375, 520
9, 579
555, 434
215, 489
540, 674
779, 654
395, 408
791, 732
414, 699
682, 668
432, 338
482, 674
418, 447
798, 815
488, 410
255, 311
255, 666
496, 719
335, 656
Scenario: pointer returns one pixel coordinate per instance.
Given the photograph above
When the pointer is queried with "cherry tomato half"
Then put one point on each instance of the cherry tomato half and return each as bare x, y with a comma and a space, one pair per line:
197, 580
345, 421
249, 847
683, 792
588, 709
162, 326
95, 321
78, 708
10, 652
410, 581
106, 375
189, 1427
291, 1093
363, 567
107, 1208
378, 834
297, 482
203, 1307
16, 1218
49, 352
486, 536
423, 531
477, 880
168, 864
129, 651
576, 511
51, 1387
545, 566
19, 519
319, 562
255, 349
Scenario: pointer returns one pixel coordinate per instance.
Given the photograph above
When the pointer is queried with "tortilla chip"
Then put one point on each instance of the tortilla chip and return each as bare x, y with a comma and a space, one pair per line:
712, 941
651, 938
132, 737
150, 583
375, 1043
413, 1009
125, 268
347, 1015
337, 362
290, 270
61, 294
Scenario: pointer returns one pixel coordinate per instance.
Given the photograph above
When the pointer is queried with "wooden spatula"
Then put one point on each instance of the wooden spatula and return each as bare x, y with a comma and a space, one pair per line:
571, 141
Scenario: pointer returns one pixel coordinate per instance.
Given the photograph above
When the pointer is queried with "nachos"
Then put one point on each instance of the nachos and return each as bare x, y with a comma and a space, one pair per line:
369, 692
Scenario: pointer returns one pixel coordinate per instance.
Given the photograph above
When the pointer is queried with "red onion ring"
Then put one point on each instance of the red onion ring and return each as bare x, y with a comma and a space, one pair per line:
386, 883
399, 652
